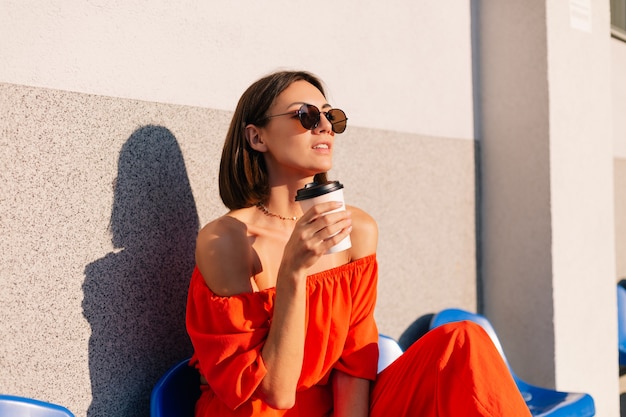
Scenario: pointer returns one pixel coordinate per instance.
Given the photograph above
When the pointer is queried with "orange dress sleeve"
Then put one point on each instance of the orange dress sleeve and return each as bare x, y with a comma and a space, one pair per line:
227, 334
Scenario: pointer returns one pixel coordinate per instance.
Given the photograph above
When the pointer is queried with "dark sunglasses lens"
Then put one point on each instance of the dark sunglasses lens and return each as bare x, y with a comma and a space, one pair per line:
338, 119
309, 116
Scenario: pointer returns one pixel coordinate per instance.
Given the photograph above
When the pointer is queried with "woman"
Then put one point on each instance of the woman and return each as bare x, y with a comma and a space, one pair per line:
279, 327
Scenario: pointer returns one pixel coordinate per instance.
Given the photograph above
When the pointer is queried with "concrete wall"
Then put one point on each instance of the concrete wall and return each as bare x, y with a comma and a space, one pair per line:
618, 86
618, 55
620, 217
101, 203
412, 58
581, 157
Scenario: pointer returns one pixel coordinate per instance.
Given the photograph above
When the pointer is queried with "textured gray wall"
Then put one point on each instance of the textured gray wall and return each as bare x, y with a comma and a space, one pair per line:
101, 200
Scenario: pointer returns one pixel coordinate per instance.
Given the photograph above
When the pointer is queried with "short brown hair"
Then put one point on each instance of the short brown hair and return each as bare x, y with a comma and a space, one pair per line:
243, 178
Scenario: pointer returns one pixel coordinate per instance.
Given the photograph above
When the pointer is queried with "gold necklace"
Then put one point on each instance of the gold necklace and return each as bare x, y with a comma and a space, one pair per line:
267, 212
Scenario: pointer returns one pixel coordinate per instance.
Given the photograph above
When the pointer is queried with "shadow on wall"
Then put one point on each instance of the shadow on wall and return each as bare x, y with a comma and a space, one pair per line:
134, 297
415, 331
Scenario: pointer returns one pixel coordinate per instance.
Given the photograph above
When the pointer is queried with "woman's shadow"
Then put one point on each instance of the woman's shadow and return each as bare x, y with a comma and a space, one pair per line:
135, 296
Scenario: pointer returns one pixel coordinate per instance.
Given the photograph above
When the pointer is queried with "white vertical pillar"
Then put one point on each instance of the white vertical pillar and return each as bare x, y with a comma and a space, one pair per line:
547, 226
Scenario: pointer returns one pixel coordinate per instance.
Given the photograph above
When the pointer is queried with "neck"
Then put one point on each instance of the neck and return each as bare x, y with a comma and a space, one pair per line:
282, 198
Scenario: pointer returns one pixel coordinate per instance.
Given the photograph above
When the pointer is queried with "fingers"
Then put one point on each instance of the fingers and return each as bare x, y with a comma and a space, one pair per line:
318, 230
321, 209
331, 225
326, 216
335, 238
326, 227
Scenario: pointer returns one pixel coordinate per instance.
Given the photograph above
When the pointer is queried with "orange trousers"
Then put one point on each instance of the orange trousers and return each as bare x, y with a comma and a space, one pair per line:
452, 371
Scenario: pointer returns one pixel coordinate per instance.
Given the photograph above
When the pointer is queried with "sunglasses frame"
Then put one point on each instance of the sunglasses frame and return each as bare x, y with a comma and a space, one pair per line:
304, 110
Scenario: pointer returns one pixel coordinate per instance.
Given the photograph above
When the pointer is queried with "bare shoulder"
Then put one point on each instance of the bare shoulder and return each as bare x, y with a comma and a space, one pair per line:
364, 234
223, 256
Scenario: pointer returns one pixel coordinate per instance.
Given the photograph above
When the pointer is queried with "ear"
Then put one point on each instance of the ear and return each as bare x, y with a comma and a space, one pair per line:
254, 136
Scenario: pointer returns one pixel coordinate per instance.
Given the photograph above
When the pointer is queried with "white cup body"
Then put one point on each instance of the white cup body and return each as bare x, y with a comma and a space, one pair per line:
336, 195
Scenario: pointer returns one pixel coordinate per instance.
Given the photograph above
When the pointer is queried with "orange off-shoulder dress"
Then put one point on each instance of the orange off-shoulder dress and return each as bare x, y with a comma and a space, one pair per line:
453, 370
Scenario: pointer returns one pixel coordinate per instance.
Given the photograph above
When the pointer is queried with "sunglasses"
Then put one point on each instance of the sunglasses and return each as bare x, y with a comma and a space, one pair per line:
309, 116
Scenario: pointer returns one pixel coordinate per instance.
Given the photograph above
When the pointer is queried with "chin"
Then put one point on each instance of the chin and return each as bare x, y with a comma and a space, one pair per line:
324, 168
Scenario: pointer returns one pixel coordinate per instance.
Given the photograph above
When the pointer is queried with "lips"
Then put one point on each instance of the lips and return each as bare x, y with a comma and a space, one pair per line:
322, 146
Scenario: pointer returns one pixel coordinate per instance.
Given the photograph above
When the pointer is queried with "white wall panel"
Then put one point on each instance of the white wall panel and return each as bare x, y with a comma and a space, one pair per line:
400, 65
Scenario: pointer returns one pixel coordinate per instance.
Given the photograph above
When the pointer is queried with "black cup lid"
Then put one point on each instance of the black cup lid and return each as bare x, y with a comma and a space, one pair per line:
314, 189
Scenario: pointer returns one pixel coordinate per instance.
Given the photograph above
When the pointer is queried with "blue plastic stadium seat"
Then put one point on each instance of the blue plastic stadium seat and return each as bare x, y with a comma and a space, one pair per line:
12, 406
176, 392
542, 402
388, 351
621, 322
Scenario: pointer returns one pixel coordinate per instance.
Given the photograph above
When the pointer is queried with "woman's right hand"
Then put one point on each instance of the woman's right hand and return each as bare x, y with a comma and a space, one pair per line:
315, 233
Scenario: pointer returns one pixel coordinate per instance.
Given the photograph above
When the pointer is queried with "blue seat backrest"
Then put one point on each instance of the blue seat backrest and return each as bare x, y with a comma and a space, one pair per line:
542, 402
13, 406
176, 393
388, 351
621, 323
453, 314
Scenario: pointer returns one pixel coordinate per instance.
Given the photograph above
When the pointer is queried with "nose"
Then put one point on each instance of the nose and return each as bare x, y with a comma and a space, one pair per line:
324, 124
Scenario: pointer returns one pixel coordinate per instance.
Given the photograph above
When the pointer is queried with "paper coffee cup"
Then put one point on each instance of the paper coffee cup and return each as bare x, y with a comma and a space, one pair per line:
315, 193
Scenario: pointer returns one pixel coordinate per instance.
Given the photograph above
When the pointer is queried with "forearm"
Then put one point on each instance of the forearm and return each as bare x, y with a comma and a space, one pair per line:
283, 351
351, 395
